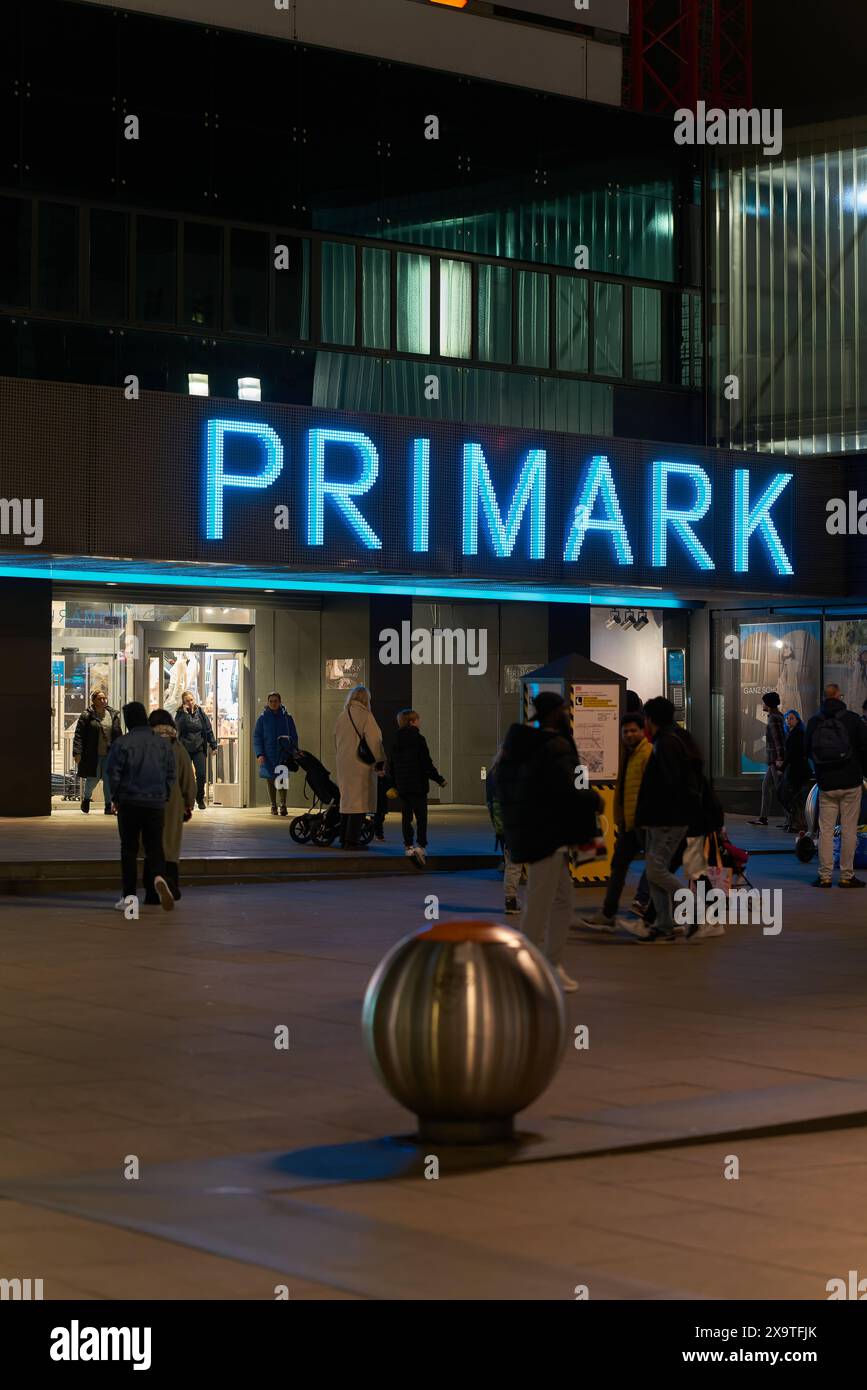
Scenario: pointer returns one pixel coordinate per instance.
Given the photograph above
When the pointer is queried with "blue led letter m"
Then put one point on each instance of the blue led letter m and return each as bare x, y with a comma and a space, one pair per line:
216, 477
478, 487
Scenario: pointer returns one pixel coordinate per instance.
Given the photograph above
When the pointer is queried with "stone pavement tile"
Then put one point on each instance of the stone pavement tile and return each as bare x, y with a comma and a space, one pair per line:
650, 1095
709, 1275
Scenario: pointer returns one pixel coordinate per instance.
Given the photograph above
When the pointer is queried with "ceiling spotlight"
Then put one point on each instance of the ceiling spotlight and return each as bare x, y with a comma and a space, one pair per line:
615, 619
629, 621
641, 621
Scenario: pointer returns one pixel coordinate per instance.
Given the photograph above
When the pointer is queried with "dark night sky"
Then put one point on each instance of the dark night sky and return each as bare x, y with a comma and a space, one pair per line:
810, 58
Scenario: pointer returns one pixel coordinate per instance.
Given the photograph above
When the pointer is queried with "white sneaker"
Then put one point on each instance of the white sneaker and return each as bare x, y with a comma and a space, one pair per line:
568, 985
636, 927
409, 851
707, 929
597, 922
420, 855
164, 893
120, 905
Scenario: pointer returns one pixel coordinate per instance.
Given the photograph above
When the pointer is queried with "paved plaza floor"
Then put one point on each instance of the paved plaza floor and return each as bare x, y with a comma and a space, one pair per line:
261, 1167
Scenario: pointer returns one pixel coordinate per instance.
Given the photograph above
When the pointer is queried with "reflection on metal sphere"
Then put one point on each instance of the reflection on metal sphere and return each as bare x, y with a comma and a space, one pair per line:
465, 1024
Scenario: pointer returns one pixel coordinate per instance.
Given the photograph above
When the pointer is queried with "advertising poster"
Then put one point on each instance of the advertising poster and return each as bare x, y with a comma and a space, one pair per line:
775, 656
596, 729
846, 659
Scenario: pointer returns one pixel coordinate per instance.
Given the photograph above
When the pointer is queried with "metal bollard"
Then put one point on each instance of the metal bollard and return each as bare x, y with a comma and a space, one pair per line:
465, 1024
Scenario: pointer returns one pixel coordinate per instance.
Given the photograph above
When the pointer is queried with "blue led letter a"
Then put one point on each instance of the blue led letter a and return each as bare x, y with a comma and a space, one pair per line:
217, 478
318, 487
598, 481
663, 516
758, 518
530, 487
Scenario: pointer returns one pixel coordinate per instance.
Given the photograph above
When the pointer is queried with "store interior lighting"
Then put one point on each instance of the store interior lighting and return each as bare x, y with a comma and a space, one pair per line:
249, 388
197, 383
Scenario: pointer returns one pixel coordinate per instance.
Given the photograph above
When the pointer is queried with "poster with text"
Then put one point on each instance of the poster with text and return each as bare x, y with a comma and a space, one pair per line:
775, 656
596, 729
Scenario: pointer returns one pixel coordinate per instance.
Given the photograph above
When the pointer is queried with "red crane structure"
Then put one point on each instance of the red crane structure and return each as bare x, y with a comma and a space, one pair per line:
683, 51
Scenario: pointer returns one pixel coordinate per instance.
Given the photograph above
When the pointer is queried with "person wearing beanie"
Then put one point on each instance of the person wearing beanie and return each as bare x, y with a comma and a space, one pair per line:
141, 773
775, 752
179, 807
544, 814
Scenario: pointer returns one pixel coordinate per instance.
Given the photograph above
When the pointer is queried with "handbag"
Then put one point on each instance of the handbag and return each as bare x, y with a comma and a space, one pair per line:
717, 874
363, 751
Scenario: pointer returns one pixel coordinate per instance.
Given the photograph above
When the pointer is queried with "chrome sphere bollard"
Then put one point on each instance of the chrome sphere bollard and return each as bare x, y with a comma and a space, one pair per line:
465, 1024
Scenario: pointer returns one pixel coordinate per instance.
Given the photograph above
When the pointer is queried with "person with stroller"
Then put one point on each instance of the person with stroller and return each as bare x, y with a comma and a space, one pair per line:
796, 773
95, 732
360, 758
197, 737
411, 769
275, 742
179, 807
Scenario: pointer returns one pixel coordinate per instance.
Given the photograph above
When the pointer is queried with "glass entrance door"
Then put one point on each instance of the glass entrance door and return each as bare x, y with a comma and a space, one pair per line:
215, 679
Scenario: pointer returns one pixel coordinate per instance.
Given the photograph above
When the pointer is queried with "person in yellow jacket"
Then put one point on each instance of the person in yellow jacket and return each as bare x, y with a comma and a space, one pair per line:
636, 751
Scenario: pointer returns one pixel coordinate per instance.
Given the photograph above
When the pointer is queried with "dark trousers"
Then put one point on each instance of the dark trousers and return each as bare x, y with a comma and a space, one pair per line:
350, 829
414, 806
626, 848
276, 793
145, 823
200, 766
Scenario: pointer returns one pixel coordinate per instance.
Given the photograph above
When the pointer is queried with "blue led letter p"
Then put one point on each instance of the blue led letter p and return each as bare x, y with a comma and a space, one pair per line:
216, 476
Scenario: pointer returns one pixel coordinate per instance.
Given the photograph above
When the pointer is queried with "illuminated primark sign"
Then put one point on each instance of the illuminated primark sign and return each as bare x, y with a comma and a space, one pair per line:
587, 507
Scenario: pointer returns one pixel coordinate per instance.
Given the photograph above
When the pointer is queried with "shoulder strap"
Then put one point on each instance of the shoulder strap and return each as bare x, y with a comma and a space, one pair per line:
353, 723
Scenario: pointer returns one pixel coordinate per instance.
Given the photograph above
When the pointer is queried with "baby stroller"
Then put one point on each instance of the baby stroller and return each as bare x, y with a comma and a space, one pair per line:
321, 824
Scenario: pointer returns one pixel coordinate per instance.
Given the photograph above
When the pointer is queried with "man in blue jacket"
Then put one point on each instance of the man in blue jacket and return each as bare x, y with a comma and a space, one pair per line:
141, 772
275, 739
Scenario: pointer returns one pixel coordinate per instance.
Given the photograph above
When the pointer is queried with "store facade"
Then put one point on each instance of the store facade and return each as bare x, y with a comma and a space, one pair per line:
235, 547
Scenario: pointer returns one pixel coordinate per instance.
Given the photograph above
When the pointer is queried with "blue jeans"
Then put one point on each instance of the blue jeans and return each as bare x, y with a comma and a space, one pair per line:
662, 841
99, 776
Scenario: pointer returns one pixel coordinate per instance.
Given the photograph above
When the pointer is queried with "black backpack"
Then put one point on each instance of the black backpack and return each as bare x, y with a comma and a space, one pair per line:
831, 745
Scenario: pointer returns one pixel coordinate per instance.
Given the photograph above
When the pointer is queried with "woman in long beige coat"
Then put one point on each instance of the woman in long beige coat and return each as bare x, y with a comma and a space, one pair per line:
179, 807
356, 780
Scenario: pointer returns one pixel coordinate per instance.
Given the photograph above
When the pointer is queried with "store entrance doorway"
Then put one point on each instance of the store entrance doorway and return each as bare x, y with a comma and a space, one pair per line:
213, 664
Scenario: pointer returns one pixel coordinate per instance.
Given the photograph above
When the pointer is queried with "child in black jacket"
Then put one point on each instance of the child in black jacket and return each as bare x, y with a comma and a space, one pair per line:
411, 770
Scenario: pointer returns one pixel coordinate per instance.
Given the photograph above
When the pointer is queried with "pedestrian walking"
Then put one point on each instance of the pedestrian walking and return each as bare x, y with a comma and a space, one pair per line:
836, 744
179, 807
636, 751
275, 741
95, 732
197, 737
544, 815
411, 769
141, 774
360, 757
513, 872
775, 752
669, 806
796, 773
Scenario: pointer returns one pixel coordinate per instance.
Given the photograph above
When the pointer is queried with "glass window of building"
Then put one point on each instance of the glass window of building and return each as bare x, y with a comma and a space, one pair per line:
532, 347
337, 308
156, 255
57, 260
15, 224
249, 263
495, 313
646, 333
292, 287
108, 260
572, 339
413, 303
456, 308
608, 329
203, 274
376, 297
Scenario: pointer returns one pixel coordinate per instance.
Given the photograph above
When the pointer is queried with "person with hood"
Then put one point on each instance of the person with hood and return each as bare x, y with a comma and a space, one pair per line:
796, 773
179, 807
360, 757
275, 740
411, 769
669, 806
775, 752
836, 744
196, 736
95, 732
141, 774
544, 815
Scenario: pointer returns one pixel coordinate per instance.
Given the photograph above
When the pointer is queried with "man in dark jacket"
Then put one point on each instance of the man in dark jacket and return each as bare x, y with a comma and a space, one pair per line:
775, 753
836, 744
411, 769
543, 816
669, 805
95, 732
141, 773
